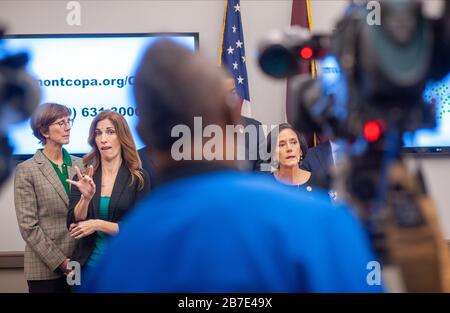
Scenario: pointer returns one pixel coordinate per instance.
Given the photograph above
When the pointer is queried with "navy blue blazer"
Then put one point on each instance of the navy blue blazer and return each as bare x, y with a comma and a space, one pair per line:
318, 160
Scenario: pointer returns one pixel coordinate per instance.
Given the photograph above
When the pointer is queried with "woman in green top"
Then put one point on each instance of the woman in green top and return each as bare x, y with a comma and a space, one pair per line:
41, 196
112, 184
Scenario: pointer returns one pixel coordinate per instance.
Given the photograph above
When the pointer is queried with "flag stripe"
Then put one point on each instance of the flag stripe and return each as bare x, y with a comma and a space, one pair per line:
302, 15
299, 15
246, 108
313, 63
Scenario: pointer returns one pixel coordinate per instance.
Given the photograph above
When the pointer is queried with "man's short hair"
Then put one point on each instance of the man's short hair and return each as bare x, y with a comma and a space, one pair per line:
172, 86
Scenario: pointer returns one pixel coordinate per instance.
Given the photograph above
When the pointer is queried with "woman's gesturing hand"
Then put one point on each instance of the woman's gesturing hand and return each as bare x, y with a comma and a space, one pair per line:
85, 183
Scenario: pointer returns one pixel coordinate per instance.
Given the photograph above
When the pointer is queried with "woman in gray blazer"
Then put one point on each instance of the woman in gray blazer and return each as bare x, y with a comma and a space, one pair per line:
41, 196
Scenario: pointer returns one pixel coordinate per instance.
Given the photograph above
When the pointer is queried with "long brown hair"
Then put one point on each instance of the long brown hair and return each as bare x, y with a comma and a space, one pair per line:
129, 153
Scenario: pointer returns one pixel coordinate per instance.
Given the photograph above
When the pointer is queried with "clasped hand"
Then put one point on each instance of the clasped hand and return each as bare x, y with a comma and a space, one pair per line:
83, 228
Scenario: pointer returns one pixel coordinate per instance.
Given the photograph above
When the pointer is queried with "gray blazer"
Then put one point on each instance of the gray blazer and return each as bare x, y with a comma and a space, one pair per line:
41, 206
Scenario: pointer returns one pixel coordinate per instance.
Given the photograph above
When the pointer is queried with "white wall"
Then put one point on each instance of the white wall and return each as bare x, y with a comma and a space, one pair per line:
267, 95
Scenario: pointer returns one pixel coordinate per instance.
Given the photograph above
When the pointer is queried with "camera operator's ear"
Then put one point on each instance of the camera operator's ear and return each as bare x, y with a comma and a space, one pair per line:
230, 85
142, 133
232, 102
233, 108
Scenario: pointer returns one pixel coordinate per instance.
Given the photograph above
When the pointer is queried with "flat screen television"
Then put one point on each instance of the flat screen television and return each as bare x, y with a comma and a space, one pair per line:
88, 73
435, 141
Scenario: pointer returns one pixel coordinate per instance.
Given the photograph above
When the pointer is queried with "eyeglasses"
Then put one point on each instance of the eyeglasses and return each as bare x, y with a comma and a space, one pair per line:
63, 124
109, 132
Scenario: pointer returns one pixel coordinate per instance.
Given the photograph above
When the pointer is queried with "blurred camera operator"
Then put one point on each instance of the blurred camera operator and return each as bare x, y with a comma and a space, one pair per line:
211, 228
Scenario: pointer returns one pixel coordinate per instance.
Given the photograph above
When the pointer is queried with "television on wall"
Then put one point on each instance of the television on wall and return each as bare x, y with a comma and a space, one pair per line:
435, 141
88, 73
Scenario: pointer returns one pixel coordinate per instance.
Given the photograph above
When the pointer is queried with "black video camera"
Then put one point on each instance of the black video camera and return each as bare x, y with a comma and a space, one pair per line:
19, 96
368, 92
369, 86
378, 71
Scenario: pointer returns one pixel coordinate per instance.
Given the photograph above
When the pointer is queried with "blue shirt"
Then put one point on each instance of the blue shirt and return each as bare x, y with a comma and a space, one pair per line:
230, 231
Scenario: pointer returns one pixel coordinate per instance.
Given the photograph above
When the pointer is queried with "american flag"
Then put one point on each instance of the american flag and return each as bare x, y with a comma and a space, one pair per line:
232, 54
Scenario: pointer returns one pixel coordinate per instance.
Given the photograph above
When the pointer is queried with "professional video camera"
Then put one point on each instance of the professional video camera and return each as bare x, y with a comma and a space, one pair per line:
368, 93
19, 95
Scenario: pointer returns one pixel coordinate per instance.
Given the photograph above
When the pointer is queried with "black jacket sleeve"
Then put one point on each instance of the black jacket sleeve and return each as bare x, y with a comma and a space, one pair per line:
306, 163
74, 198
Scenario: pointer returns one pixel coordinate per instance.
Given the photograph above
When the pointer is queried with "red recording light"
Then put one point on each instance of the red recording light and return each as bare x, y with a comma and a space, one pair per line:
372, 131
306, 53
